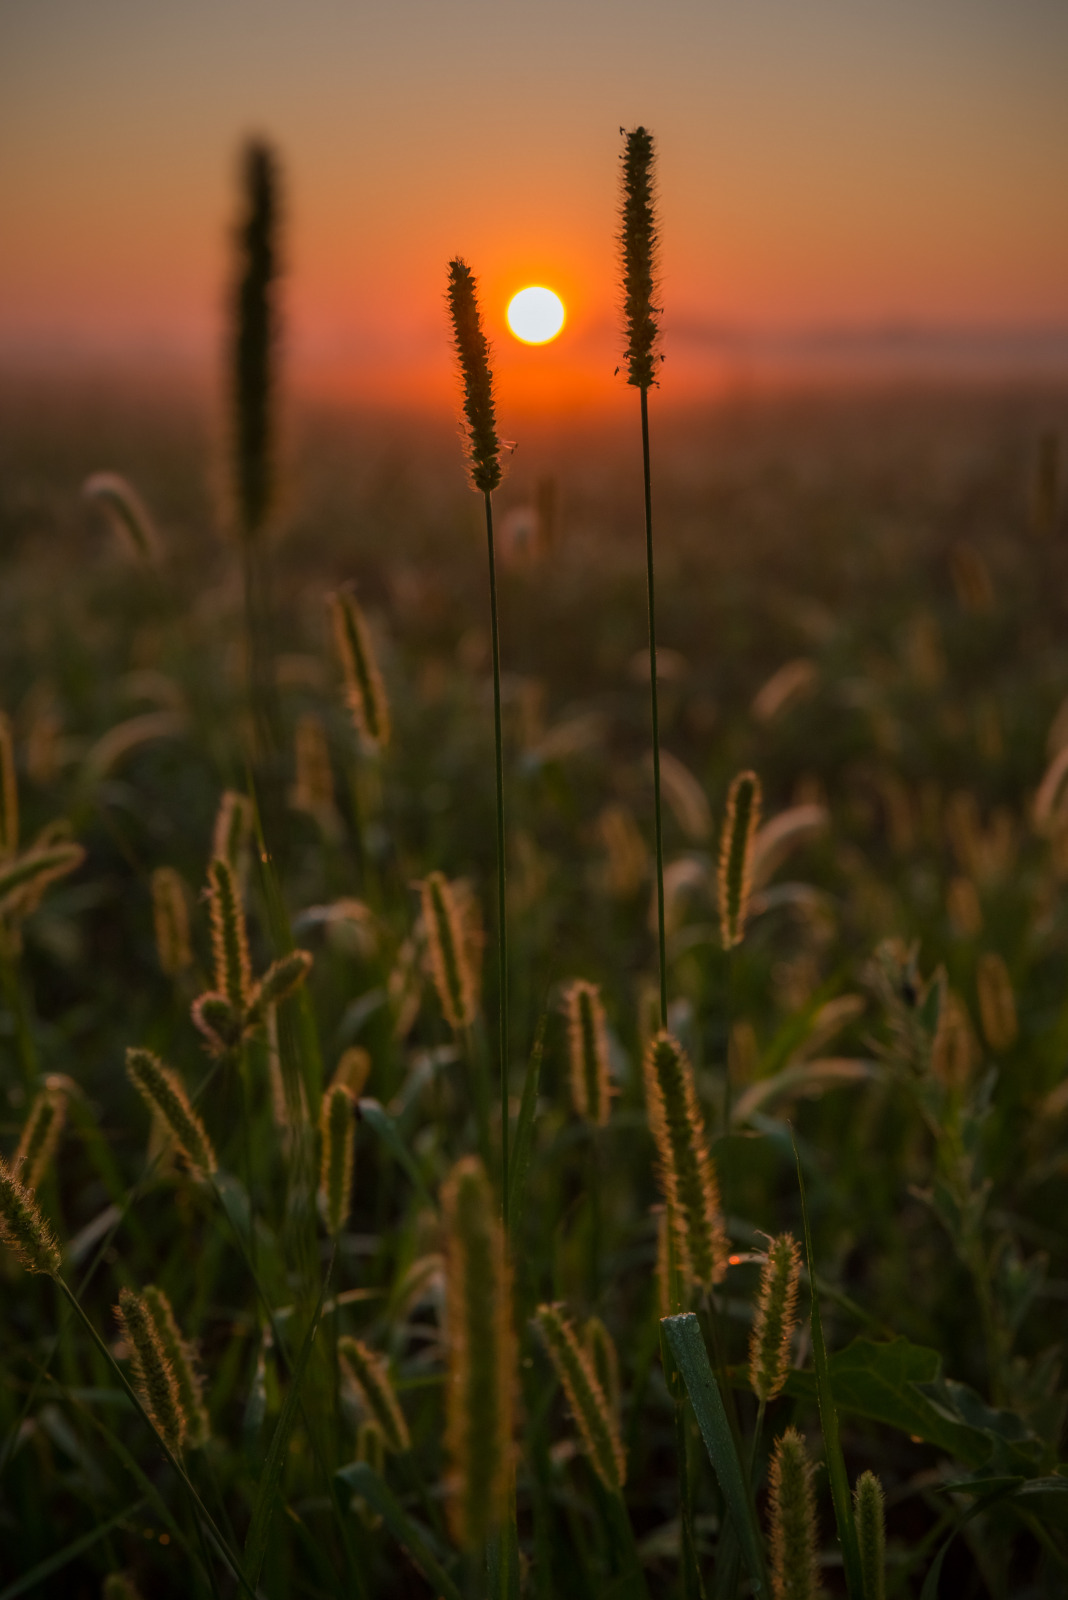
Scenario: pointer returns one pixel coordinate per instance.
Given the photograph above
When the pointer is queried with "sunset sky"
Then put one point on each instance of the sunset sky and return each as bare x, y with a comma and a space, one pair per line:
829, 170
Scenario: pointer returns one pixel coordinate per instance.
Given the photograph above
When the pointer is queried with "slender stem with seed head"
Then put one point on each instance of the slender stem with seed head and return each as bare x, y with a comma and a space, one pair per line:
655, 708
502, 925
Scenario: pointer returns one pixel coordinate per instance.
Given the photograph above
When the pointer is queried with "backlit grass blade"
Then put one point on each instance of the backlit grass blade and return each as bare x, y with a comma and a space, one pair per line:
687, 1346
366, 1482
270, 1478
832, 1444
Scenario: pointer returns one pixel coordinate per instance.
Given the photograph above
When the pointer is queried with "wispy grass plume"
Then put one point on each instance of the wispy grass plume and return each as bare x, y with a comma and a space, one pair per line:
480, 1396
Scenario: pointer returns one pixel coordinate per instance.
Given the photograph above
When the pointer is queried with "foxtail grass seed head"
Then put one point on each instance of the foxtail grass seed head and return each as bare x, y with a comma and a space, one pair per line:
9, 792
604, 1359
313, 783
481, 1381
776, 1318
588, 1403
639, 241
686, 1170
153, 1376
480, 423
282, 979
447, 948
672, 1283
22, 1227
869, 1512
587, 1043
997, 1003
214, 1019
736, 856
125, 510
170, 914
163, 1091
338, 1129
255, 338
794, 1545
182, 1360
365, 693
232, 833
955, 1048
40, 1135
229, 936
369, 1375
353, 1070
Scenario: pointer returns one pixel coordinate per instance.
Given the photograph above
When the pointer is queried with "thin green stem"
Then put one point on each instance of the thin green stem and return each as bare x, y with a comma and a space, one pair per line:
655, 707
502, 926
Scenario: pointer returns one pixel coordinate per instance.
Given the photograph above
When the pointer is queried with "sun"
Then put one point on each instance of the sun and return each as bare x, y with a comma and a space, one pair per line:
535, 315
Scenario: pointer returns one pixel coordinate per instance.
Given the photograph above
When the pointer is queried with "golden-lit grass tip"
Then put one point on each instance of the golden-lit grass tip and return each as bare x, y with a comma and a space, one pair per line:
40, 1135
587, 1043
736, 856
154, 1378
369, 1375
869, 1511
282, 979
587, 1401
180, 1354
447, 947
638, 240
353, 1070
22, 1227
483, 447
997, 1003
776, 1318
232, 833
163, 1091
604, 1359
686, 1170
364, 690
229, 936
337, 1128
481, 1381
794, 1544
170, 915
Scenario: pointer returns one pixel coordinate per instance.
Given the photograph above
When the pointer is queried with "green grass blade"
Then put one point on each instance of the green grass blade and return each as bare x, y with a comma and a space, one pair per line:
832, 1444
366, 1482
384, 1126
53, 1563
270, 1478
524, 1128
687, 1346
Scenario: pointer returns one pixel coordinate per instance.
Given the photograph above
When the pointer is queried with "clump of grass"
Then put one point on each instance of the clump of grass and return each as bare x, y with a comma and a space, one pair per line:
587, 1040
365, 692
369, 1375
22, 1227
480, 1396
586, 1398
685, 1168
164, 1093
794, 1540
170, 915
154, 1378
338, 1135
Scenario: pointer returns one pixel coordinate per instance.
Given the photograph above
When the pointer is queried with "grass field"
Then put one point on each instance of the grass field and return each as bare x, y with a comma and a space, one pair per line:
862, 598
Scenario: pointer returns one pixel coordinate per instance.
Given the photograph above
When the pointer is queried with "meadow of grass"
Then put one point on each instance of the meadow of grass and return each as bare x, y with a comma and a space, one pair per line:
863, 600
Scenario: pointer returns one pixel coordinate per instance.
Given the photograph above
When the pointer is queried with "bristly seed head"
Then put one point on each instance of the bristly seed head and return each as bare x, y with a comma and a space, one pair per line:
480, 431
365, 693
587, 1039
163, 1091
182, 1360
480, 1394
229, 936
776, 1318
369, 1375
686, 1170
338, 1129
40, 1135
871, 1534
586, 1398
736, 856
638, 237
170, 913
447, 948
22, 1227
794, 1548
153, 1376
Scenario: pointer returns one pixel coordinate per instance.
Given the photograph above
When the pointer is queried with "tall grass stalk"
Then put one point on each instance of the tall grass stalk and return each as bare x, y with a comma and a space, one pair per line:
484, 469
639, 241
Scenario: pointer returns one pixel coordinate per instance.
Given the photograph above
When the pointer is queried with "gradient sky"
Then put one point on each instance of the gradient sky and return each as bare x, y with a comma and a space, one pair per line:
824, 164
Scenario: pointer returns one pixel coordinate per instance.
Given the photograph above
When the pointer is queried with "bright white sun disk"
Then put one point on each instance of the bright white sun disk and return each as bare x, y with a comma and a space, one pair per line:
535, 315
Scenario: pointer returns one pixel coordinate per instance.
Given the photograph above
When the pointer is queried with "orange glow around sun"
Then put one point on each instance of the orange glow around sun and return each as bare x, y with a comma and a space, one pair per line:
535, 315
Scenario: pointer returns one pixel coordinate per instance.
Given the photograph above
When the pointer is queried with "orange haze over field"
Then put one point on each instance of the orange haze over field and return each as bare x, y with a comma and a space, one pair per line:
841, 188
